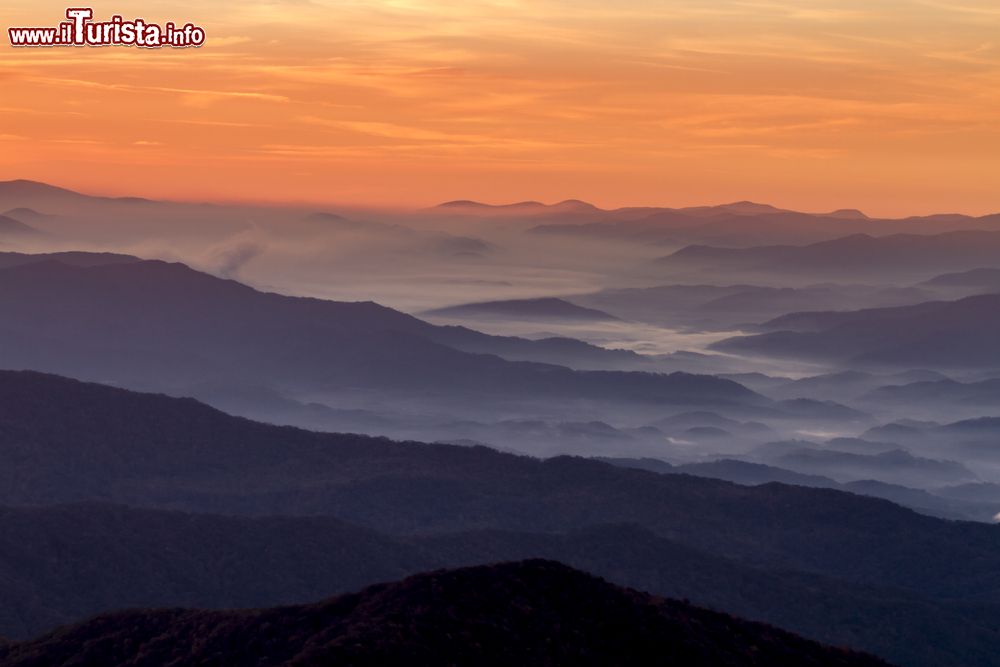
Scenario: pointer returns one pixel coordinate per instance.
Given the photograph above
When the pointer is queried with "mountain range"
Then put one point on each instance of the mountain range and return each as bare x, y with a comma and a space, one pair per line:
939, 334
66, 441
897, 256
528, 613
103, 317
745, 224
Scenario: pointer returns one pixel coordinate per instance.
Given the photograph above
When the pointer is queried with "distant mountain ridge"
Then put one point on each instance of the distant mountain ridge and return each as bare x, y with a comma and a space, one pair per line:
938, 334
898, 254
540, 308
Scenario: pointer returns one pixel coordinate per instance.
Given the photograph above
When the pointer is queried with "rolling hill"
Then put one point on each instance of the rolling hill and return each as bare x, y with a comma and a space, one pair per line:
528, 613
68, 442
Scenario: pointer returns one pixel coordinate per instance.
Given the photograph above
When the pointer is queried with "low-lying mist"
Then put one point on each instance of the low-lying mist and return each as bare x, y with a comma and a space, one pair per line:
564, 289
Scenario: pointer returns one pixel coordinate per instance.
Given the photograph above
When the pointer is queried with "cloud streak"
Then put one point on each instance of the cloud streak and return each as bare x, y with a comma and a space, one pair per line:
479, 88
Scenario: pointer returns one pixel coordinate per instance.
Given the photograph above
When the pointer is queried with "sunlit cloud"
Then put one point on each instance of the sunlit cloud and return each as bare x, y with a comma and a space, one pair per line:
811, 100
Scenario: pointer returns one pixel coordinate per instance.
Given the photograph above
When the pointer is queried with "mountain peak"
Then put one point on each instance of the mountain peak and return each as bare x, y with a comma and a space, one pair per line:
750, 208
517, 208
847, 214
536, 612
23, 187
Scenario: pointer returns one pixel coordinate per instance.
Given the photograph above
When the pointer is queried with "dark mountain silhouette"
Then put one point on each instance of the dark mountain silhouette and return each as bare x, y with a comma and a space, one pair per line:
898, 255
145, 558
542, 308
939, 334
65, 441
529, 613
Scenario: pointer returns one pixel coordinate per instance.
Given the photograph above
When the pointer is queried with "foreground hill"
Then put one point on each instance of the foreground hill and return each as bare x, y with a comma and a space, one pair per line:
942, 334
529, 613
103, 558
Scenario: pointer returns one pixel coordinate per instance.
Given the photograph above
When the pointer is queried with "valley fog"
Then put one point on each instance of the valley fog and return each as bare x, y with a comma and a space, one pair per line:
688, 336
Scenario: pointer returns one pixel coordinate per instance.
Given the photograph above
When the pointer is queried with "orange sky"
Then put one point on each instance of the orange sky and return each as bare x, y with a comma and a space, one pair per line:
889, 106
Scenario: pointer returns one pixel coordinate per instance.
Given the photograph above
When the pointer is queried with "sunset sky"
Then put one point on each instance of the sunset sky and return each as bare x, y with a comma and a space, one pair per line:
888, 106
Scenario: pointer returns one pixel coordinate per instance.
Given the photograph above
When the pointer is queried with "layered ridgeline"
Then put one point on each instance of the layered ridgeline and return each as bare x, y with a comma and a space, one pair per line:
128, 320
894, 257
958, 334
739, 224
530, 613
358, 367
917, 590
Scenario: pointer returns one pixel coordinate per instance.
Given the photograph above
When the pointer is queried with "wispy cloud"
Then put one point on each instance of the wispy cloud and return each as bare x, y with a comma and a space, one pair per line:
648, 92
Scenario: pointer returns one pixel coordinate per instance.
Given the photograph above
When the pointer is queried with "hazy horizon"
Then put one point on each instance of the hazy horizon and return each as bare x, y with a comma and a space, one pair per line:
499, 332
888, 108
415, 207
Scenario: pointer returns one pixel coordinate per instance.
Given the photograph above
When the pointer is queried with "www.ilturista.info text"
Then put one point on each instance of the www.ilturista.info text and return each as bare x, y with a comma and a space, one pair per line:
81, 30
